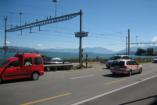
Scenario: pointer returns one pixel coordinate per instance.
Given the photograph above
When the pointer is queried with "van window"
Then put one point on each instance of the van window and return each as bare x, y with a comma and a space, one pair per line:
121, 63
38, 61
118, 64
131, 63
28, 61
3, 63
14, 64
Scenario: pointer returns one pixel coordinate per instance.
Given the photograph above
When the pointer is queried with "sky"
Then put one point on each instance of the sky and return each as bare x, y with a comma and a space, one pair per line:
106, 21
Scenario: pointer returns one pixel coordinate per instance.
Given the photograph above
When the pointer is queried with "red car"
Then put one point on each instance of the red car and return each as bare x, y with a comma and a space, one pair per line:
26, 65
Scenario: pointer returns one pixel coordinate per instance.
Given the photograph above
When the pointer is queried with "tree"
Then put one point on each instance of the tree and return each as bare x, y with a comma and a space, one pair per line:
150, 51
140, 51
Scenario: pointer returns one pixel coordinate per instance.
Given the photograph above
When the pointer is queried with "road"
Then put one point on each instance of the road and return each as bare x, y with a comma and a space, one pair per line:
145, 93
93, 86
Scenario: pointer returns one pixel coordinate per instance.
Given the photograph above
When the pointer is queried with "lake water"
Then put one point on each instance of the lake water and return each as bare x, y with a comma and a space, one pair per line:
71, 55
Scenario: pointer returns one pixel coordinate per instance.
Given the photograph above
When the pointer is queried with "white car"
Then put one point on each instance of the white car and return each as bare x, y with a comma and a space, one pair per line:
125, 67
154, 60
54, 61
57, 61
116, 57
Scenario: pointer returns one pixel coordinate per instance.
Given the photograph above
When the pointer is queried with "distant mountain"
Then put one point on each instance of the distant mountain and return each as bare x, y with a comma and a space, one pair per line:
132, 50
63, 53
97, 50
60, 50
19, 49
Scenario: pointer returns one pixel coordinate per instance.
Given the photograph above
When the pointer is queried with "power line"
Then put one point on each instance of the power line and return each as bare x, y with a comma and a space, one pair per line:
94, 35
146, 43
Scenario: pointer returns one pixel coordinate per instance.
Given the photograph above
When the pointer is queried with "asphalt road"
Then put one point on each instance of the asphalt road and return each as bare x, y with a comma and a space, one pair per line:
76, 87
145, 93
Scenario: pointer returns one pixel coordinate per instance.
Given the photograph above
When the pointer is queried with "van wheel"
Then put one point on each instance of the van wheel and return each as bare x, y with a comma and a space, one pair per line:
140, 71
1, 80
114, 74
108, 67
35, 76
130, 73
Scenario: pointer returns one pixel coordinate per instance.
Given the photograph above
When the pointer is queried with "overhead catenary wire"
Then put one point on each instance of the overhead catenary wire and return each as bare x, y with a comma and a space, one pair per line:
93, 35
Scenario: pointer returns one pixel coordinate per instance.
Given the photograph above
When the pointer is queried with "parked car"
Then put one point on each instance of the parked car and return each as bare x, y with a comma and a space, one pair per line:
125, 67
55, 61
154, 60
22, 66
116, 57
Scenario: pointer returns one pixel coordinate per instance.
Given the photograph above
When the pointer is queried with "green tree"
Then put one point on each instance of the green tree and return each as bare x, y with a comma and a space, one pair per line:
150, 51
140, 51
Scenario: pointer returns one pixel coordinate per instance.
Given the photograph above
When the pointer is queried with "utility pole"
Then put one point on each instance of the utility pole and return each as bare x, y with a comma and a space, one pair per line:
55, 2
128, 41
5, 37
81, 50
126, 45
51, 20
20, 13
80, 35
137, 41
86, 60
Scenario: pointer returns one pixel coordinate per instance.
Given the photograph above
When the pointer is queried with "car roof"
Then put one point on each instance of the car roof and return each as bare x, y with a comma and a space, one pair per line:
12, 59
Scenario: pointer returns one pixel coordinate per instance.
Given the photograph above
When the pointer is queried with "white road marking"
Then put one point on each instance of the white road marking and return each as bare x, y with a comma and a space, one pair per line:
115, 90
85, 76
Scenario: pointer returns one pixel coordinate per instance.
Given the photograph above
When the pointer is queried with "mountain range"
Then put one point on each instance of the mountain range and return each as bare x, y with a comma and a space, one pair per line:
63, 53
72, 53
97, 50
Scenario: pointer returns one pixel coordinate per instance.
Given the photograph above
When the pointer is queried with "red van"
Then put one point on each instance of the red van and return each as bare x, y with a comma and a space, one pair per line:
26, 65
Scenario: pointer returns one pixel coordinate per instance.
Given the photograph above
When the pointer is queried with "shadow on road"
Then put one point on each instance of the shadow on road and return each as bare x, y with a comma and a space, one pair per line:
146, 98
114, 76
16, 81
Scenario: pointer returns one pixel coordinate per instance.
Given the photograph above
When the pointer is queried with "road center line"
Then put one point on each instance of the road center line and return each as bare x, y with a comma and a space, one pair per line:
112, 91
46, 99
85, 76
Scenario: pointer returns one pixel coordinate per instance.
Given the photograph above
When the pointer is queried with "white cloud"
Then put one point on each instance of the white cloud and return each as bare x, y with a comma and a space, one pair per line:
154, 39
39, 45
8, 42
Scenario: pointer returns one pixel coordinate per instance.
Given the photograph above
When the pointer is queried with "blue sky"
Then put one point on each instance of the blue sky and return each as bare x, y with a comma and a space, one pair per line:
107, 22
